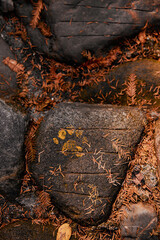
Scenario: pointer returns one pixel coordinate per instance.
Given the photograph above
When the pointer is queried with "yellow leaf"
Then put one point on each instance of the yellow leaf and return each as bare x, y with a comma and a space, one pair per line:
62, 134
64, 232
55, 140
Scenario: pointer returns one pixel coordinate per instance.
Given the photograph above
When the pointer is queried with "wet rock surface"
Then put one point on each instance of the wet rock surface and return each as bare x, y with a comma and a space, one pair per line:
83, 152
86, 25
138, 222
12, 129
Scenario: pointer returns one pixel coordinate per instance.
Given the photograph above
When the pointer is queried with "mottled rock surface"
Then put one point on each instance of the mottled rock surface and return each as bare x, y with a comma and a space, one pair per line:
82, 156
87, 25
12, 130
146, 72
138, 221
8, 82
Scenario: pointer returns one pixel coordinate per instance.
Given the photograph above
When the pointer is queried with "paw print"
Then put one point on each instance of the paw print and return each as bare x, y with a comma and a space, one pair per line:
71, 145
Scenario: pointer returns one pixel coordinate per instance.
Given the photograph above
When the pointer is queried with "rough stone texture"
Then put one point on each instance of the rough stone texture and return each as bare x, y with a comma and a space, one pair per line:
80, 25
29, 201
26, 230
10, 211
138, 221
12, 129
8, 82
38, 39
157, 144
146, 71
150, 177
82, 156
6, 5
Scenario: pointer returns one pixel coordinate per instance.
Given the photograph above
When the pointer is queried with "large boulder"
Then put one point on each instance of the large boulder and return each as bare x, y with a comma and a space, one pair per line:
12, 165
80, 25
82, 156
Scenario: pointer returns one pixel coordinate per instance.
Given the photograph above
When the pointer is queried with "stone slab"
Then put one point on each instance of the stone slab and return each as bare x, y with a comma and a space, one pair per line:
82, 156
87, 25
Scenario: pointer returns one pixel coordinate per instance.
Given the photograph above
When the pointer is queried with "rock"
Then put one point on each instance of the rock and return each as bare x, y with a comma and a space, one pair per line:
86, 25
26, 58
12, 129
146, 72
6, 5
64, 232
10, 211
26, 230
157, 144
29, 201
150, 177
145, 175
25, 8
82, 156
8, 81
138, 221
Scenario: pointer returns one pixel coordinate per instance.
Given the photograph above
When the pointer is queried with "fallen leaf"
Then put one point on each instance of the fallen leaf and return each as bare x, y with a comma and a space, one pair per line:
64, 232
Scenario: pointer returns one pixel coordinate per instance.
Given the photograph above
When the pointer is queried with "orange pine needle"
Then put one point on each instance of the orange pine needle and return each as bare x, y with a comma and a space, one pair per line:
36, 13
13, 65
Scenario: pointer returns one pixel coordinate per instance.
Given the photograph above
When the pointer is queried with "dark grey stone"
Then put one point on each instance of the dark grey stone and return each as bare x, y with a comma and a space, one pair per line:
29, 201
8, 81
88, 25
12, 130
82, 156
6, 6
